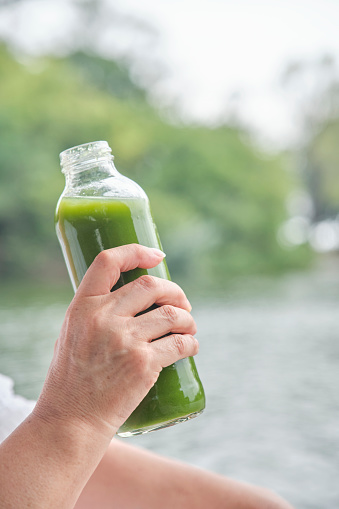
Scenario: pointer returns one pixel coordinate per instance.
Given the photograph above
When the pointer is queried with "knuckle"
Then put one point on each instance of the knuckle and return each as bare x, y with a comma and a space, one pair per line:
179, 344
130, 330
136, 357
139, 360
120, 332
132, 249
102, 258
136, 247
118, 341
147, 282
169, 312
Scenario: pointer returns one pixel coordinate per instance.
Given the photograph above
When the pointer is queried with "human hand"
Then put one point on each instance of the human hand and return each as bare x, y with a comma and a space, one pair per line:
105, 361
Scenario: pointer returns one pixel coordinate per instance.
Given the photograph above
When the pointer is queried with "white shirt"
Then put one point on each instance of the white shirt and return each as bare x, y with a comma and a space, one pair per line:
13, 408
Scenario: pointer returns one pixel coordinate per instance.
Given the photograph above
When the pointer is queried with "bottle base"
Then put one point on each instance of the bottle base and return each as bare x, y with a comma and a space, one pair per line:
154, 427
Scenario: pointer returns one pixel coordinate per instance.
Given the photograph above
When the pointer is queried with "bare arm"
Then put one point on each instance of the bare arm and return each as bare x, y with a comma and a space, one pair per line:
131, 478
104, 364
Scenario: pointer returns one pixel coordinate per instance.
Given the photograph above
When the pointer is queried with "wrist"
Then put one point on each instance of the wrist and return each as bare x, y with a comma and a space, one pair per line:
72, 413
75, 431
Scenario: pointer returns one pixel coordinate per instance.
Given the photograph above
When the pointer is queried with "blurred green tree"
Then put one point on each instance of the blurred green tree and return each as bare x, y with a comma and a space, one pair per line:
314, 87
218, 202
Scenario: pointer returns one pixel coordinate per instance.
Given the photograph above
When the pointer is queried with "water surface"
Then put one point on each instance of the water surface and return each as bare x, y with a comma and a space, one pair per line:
269, 361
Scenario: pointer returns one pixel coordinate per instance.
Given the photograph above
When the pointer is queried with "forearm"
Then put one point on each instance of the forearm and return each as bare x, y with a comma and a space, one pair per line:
47, 464
127, 474
105, 361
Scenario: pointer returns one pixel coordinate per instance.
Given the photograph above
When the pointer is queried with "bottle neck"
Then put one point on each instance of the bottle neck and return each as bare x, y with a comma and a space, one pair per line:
85, 164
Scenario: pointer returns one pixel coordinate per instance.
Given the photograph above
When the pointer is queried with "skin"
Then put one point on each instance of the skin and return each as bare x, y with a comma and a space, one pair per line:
132, 478
104, 363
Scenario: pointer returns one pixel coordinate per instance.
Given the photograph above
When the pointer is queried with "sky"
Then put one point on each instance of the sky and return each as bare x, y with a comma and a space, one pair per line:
232, 54
214, 60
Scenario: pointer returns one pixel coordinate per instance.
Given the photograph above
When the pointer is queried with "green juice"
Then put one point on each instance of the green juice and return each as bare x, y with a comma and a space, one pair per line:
87, 225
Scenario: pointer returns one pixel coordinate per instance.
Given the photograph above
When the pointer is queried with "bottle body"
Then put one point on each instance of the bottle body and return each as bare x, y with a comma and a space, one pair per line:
116, 212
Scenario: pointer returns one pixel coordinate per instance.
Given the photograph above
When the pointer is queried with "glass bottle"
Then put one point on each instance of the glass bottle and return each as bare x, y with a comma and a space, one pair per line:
100, 209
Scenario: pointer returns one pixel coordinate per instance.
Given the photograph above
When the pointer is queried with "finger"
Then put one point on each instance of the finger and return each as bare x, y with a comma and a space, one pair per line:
161, 321
140, 294
171, 348
107, 266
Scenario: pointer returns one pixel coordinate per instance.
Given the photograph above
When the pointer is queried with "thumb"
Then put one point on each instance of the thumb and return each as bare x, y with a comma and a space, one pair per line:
105, 270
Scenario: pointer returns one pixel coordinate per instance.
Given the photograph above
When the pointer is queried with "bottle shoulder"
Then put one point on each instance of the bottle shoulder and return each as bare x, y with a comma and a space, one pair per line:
117, 186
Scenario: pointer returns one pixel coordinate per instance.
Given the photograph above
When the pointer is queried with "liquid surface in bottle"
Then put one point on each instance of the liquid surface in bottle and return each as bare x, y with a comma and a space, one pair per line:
86, 226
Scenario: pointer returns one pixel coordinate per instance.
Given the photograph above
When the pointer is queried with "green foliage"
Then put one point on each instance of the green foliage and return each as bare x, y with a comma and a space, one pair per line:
314, 85
321, 173
216, 200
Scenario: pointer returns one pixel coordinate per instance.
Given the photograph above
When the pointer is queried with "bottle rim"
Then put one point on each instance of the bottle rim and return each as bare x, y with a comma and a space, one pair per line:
85, 153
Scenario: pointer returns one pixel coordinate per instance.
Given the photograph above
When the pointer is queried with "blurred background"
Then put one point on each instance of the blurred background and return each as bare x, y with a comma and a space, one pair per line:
227, 114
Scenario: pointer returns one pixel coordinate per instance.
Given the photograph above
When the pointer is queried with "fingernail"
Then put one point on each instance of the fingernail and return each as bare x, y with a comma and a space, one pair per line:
158, 252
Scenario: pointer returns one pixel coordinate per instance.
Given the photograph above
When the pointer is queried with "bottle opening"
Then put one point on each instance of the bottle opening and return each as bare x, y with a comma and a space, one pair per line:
87, 153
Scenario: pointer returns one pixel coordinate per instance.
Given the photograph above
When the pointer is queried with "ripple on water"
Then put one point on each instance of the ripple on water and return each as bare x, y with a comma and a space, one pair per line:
270, 367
